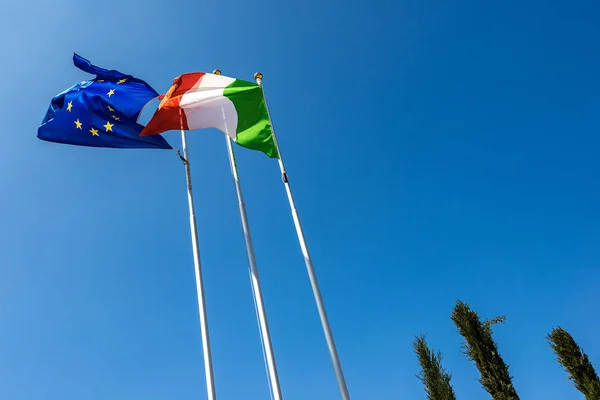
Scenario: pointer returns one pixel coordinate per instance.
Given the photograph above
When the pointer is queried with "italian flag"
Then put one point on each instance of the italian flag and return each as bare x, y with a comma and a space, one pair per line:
201, 100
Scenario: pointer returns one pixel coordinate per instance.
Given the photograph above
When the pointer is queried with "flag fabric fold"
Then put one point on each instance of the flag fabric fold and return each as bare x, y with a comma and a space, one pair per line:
101, 112
201, 100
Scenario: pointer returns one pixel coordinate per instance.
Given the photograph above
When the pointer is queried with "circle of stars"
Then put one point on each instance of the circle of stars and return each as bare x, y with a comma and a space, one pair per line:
108, 126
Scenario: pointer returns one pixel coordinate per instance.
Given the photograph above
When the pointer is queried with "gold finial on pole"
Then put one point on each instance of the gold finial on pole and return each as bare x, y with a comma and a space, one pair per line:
217, 72
258, 78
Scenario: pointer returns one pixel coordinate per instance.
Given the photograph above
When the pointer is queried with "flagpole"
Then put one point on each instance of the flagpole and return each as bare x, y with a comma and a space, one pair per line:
254, 278
337, 366
208, 368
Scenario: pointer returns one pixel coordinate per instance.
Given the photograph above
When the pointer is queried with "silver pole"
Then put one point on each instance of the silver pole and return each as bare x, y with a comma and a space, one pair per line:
208, 369
254, 278
337, 366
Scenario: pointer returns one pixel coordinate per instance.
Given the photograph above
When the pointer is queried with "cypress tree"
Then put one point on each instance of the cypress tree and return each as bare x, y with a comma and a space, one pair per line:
434, 377
480, 347
576, 363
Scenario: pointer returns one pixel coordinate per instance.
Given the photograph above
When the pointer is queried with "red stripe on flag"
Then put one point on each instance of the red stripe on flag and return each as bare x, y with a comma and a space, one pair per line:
185, 83
169, 115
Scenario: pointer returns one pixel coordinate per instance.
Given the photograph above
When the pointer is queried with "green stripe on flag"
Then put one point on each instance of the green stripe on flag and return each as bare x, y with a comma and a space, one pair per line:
254, 130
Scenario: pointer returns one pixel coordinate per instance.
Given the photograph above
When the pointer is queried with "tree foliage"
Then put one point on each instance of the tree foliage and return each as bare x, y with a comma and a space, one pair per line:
480, 347
576, 363
434, 377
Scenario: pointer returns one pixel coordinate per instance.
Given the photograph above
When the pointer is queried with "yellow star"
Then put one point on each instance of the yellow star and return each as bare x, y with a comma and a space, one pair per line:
110, 92
78, 124
111, 109
108, 126
115, 118
94, 132
69, 106
122, 81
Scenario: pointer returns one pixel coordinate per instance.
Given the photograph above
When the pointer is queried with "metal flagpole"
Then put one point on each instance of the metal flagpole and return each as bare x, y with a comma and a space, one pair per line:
254, 278
208, 369
337, 366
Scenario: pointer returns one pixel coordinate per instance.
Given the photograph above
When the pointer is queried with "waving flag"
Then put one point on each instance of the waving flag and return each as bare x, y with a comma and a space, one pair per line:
200, 100
101, 112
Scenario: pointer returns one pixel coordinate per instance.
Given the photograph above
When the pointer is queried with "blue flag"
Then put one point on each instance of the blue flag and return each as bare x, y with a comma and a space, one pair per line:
101, 112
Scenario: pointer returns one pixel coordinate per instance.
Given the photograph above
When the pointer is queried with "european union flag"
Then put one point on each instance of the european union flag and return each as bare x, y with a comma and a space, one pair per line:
101, 112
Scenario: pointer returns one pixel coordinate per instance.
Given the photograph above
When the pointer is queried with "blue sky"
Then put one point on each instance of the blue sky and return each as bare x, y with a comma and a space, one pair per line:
437, 151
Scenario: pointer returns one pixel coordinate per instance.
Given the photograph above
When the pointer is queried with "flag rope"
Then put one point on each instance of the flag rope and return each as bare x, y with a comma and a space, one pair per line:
262, 342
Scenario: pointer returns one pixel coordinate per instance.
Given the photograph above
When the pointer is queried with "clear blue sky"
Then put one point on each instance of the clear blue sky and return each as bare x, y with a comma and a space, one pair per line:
437, 151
